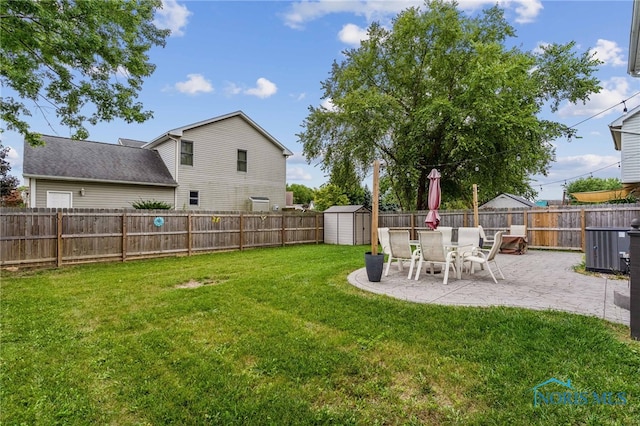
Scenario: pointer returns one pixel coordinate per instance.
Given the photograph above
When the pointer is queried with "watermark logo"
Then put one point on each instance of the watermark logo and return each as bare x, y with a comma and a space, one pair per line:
568, 395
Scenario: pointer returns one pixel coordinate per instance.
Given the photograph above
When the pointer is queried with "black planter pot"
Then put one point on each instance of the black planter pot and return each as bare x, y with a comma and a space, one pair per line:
374, 265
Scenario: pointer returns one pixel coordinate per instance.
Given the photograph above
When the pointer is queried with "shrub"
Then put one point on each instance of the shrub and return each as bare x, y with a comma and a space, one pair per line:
151, 205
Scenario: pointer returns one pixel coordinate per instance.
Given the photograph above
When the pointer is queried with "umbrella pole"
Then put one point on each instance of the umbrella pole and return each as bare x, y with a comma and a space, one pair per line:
374, 207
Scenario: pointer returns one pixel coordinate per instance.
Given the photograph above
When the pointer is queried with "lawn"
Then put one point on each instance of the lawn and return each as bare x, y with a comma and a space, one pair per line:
278, 336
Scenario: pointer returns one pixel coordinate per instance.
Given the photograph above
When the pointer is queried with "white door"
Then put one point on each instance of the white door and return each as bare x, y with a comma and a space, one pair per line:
58, 200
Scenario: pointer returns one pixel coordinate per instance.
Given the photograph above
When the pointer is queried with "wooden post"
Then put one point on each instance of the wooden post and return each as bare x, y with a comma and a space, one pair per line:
284, 231
476, 221
189, 234
241, 227
583, 230
124, 236
59, 239
374, 213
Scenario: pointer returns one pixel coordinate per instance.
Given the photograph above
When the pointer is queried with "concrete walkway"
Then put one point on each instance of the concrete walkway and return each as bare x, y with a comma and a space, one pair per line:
535, 280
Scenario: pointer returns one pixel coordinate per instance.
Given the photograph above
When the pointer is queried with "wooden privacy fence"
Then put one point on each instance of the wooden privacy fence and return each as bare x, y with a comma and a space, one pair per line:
562, 228
33, 237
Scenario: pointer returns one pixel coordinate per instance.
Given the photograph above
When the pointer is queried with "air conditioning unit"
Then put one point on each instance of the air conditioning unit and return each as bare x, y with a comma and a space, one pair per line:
607, 249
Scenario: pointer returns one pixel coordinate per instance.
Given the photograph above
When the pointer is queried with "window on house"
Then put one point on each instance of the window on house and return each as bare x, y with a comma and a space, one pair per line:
194, 198
186, 153
242, 160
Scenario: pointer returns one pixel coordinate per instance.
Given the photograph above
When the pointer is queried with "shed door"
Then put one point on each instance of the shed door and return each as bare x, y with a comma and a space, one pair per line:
58, 200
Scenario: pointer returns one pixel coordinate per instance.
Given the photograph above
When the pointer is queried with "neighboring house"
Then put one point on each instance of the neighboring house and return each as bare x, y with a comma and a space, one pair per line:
224, 163
506, 201
625, 132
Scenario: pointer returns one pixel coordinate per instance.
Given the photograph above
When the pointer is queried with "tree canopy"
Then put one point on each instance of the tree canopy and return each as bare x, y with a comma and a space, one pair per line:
8, 183
85, 60
441, 90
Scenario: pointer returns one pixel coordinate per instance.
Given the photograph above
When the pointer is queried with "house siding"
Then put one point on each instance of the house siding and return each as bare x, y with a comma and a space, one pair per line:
214, 172
167, 151
102, 195
630, 152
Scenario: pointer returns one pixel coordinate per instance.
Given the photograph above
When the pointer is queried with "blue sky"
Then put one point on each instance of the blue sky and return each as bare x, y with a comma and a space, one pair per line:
268, 59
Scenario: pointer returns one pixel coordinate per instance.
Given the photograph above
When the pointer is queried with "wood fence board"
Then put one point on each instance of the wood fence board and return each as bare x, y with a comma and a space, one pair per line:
32, 236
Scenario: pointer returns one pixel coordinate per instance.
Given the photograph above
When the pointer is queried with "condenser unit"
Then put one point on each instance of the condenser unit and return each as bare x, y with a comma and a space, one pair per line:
607, 249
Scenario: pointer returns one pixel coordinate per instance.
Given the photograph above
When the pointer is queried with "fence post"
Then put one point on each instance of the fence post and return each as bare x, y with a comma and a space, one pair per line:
583, 230
284, 231
241, 228
59, 239
634, 279
189, 234
124, 236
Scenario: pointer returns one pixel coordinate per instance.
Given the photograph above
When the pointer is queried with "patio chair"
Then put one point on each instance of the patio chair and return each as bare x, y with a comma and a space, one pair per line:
447, 231
469, 236
485, 257
432, 252
383, 237
400, 250
518, 230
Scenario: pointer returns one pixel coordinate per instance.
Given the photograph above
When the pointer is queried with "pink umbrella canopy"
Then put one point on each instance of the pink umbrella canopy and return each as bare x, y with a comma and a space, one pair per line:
433, 218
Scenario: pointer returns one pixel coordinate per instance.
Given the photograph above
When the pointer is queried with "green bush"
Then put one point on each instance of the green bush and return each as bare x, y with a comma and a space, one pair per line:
151, 205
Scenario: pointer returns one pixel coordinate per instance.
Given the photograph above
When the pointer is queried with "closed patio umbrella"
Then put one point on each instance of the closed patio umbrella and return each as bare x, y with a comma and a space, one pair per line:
433, 218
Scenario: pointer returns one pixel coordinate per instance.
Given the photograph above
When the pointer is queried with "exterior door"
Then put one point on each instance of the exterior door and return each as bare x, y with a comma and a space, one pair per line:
58, 199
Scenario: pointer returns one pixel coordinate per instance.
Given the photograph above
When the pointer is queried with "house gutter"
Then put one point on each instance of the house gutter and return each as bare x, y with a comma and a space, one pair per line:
632, 68
79, 179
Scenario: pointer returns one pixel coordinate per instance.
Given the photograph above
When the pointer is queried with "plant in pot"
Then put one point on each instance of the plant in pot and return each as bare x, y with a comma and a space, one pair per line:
374, 261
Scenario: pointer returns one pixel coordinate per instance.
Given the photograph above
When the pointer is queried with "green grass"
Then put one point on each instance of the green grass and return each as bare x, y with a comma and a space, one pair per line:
278, 336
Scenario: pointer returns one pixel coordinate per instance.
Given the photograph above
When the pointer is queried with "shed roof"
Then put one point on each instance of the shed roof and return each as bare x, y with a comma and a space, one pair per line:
346, 209
68, 159
518, 199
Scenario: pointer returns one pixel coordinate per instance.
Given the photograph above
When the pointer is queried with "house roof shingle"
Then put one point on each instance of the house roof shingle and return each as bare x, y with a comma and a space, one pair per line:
67, 159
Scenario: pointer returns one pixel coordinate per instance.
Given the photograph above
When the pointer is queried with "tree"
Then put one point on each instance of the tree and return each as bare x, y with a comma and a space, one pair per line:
441, 90
329, 195
8, 183
301, 194
592, 184
77, 57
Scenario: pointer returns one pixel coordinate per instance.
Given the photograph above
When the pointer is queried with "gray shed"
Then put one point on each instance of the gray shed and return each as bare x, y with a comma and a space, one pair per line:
347, 225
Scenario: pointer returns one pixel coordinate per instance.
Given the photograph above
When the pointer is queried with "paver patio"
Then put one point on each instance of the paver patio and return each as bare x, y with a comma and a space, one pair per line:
536, 280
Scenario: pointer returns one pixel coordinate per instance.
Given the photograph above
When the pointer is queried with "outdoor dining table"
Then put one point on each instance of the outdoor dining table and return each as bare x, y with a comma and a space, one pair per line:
459, 258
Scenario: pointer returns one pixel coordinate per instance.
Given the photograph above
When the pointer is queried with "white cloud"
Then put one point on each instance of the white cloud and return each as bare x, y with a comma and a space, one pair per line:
231, 89
194, 85
172, 16
609, 52
264, 88
305, 11
328, 105
352, 34
613, 92
527, 10
298, 173
298, 96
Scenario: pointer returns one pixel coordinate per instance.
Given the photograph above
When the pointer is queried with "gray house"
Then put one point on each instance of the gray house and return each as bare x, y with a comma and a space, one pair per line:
506, 201
224, 163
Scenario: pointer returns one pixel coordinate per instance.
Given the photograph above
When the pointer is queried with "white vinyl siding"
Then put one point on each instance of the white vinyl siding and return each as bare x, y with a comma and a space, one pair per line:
214, 172
630, 152
167, 151
102, 195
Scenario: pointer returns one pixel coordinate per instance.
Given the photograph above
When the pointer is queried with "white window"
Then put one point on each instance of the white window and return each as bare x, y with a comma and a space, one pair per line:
59, 200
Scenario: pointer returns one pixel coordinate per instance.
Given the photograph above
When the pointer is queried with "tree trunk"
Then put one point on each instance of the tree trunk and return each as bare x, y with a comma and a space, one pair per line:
421, 202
